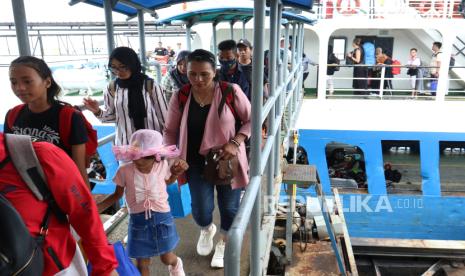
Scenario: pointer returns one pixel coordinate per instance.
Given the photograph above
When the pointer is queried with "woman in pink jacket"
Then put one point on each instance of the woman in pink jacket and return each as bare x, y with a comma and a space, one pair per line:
198, 127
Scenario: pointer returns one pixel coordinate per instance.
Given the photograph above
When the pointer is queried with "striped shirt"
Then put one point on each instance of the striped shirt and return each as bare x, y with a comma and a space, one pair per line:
116, 110
169, 86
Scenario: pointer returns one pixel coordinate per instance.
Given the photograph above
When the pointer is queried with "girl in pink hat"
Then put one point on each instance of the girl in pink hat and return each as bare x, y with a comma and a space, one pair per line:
143, 180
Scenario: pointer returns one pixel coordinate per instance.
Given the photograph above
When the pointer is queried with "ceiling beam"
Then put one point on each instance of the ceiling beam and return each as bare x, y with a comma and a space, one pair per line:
74, 2
136, 6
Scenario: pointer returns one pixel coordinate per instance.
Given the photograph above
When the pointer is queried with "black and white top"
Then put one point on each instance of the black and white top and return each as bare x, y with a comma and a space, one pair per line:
116, 110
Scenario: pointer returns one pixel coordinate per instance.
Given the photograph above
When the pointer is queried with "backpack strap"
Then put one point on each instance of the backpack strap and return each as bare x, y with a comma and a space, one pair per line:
29, 168
227, 97
65, 123
183, 95
13, 114
27, 164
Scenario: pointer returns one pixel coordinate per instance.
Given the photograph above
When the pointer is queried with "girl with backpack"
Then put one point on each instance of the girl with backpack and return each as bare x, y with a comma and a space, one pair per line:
43, 242
143, 180
133, 101
41, 115
210, 120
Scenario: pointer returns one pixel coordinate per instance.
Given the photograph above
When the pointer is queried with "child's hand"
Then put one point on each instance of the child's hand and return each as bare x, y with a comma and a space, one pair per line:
179, 166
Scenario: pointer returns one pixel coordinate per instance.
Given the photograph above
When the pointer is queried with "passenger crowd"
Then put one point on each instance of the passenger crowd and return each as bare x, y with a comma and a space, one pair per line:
369, 62
197, 118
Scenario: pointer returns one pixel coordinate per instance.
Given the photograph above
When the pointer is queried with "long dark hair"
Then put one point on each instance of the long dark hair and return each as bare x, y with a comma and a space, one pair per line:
44, 72
128, 57
136, 104
201, 55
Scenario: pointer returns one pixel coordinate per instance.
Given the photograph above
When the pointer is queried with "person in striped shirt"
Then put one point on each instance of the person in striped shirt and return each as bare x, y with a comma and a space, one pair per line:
133, 101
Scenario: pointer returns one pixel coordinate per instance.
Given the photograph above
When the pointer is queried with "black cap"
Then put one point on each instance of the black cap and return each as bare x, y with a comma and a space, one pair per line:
244, 42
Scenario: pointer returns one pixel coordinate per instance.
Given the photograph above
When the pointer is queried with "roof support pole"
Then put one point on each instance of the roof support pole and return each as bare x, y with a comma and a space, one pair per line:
231, 28
215, 42
236, 232
300, 45
188, 37
107, 7
272, 78
22, 36
256, 137
141, 28
41, 44
243, 29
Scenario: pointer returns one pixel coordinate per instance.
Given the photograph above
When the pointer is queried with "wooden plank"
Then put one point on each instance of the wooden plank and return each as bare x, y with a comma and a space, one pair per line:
410, 243
345, 232
329, 227
111, 223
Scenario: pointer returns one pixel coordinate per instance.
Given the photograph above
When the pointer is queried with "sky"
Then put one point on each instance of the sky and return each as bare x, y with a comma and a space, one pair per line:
46, 11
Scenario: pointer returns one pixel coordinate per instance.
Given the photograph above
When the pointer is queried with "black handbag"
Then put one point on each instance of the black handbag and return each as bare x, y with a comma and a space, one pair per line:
218, 171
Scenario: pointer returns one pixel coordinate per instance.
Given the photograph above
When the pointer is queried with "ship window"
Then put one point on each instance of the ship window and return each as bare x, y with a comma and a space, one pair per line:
401, 160
339, 46
346, 166
451, 164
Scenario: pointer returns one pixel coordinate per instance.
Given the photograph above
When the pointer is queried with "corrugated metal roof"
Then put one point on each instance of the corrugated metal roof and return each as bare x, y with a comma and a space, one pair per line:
127, 6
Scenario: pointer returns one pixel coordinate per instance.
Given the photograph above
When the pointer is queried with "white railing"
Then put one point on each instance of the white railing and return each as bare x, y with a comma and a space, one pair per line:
377, 9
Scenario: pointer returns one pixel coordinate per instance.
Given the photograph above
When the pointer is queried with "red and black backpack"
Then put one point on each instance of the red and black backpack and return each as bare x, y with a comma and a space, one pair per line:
64, 127
227, 97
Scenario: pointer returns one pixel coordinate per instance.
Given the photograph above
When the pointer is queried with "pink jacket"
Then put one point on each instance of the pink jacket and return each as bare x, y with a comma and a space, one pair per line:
218, 131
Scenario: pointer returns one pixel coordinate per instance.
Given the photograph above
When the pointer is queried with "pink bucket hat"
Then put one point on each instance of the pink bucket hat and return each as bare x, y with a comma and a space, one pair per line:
145, 142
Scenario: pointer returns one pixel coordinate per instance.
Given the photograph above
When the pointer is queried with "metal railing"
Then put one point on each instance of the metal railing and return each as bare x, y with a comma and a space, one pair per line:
328, 9
285, 94
383, 87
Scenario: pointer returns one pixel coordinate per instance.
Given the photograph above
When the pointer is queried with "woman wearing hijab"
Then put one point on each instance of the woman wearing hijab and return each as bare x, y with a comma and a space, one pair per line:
177, 77
133, 101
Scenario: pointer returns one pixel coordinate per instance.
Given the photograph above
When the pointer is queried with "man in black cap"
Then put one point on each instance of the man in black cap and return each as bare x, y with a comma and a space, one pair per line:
244, 50
230, 70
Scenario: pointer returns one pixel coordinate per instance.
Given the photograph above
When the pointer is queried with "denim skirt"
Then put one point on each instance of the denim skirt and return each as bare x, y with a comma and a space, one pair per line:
151, 237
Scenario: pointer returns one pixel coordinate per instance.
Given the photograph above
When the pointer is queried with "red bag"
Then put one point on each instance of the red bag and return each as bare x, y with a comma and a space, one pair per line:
396, 67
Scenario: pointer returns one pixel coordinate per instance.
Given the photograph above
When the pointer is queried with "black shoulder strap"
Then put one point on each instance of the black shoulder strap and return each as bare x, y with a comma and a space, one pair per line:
24, 158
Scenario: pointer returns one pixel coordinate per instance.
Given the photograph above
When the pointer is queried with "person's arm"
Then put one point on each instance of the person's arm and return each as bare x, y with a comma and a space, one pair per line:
77, 140
78, 154
108, 114
178, 167
243, 110
110, 200
173, 121
74, 199
358, 56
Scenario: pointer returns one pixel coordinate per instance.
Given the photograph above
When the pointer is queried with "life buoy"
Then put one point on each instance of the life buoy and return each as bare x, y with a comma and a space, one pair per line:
352, 7
424, 6
329, 9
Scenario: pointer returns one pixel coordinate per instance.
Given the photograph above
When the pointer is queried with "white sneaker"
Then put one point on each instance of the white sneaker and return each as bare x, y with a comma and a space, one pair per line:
205, 243
218, 257
178, 270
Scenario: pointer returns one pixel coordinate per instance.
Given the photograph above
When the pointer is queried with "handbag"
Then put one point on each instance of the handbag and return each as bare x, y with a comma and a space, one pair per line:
125, 265
218, 171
